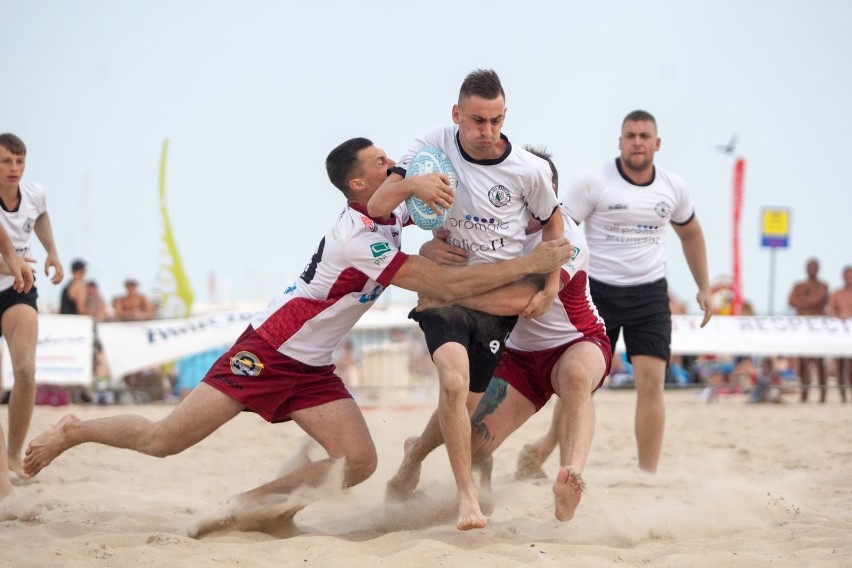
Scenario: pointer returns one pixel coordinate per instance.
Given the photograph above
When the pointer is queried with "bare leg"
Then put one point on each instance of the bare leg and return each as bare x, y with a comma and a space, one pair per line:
532, 456
580, 369
10, 506
340, 428
649, 374
451, 361
195, 418
20, 328
819, 365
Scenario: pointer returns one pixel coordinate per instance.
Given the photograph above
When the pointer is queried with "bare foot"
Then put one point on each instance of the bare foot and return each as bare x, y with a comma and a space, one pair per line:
402, 485
13, 507
529, 466
470, 516
271, 517
16, 466
48, 445
567, 491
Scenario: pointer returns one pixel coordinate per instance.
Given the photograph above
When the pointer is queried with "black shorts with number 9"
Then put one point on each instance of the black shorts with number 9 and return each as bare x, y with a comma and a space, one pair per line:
483, 336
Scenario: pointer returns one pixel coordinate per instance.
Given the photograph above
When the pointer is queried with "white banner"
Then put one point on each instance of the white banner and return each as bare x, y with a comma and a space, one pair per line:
63, 352
763, 335
132, 346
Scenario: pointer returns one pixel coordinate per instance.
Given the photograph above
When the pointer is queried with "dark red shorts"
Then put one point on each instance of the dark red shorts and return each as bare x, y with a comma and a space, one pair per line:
269, 383
529, 372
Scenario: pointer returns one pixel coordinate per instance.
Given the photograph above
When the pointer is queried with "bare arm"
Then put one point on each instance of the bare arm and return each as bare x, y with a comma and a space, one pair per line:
542, 300
695, 251
451, 283
438, 250
44, 232
16, 266
433, 189
508, 300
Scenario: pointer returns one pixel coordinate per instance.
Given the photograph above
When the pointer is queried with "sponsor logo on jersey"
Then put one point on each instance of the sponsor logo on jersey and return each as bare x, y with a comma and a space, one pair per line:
499, 196
663, 209
28, 224
246, 364
617, 206
371, 295
472, 222
290, 289
369, 224
379, 249
494, 346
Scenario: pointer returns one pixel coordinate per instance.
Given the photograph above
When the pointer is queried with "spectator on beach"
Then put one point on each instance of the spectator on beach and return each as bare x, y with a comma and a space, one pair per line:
134, 305
840, 306
95, 304
809, 297
349, 366
73, 298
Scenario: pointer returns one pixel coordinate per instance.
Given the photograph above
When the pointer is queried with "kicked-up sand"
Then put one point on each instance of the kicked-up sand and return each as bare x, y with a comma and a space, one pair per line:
738, 485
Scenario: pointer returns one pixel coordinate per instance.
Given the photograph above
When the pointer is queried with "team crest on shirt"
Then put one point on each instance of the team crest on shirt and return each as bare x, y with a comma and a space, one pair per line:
28, 224
663, 209
246, 364
369, 224
499, 196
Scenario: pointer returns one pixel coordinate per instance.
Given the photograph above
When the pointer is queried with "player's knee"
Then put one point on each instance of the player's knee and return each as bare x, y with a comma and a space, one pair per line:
24, 373
360, 467
454, 385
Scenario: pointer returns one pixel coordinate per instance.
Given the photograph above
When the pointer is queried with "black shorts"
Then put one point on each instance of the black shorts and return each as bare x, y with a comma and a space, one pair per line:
642, 311
9, 297
483, 336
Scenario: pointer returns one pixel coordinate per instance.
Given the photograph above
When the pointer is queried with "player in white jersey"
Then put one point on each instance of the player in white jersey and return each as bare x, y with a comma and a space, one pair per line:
565, 351
22, 212
627, 206
281, 369
499, 185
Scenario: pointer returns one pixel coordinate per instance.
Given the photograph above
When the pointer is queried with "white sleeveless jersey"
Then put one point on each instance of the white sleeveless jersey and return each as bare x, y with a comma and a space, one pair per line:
626, 224
489, 215
19, 224
573, 314
354, 263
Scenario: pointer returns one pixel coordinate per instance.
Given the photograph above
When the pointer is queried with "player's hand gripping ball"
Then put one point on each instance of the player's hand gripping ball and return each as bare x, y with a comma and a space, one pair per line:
429, 160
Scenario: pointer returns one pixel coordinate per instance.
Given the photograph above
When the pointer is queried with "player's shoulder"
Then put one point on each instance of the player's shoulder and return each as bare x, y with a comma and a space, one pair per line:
31, 188
441, 137
674, 180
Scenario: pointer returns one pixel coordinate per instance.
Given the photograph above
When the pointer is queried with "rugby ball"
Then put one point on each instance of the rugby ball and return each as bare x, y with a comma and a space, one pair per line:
429, 160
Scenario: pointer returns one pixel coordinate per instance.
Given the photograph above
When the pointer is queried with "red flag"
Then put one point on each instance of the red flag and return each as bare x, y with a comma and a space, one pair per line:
737, 284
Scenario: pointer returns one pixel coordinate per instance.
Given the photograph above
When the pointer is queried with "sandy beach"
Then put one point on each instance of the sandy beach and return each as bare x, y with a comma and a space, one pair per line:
739, 485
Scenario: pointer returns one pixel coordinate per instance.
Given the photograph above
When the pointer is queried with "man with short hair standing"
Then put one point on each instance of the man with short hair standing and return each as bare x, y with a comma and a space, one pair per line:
627, 205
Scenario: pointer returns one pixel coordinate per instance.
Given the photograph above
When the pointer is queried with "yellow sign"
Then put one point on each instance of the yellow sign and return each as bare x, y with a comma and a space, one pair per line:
776, 222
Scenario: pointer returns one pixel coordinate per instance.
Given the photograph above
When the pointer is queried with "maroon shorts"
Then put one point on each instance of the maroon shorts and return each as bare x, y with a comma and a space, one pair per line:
529, 372
269, 383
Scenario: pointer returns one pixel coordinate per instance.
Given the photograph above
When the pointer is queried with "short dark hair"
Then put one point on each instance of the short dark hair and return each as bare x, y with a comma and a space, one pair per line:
638, 116
482, 83
78, 264
542, 153
13, 144
342, 162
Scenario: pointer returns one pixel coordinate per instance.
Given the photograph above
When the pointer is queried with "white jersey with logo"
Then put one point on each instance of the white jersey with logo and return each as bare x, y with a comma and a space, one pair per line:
19, 224
626, 224
354, 263
573, 314
493, 197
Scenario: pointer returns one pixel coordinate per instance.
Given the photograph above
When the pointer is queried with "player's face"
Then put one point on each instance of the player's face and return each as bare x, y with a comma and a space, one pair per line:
480, 121
11, 168
374, 167
638, 143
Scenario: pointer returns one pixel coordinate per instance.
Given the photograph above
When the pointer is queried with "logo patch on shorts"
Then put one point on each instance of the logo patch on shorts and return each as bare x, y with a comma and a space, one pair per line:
246, 364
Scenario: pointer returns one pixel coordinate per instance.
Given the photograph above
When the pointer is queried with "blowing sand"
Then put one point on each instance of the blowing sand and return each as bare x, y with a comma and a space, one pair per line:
739, 485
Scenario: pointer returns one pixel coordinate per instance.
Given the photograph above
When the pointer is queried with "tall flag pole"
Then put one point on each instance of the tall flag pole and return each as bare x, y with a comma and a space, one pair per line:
176, 294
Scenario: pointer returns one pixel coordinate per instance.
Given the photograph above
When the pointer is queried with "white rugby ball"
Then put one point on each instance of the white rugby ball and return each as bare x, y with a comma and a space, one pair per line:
429, 160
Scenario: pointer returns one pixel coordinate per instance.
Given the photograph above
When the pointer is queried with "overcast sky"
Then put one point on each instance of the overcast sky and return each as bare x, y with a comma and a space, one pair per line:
254, 94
